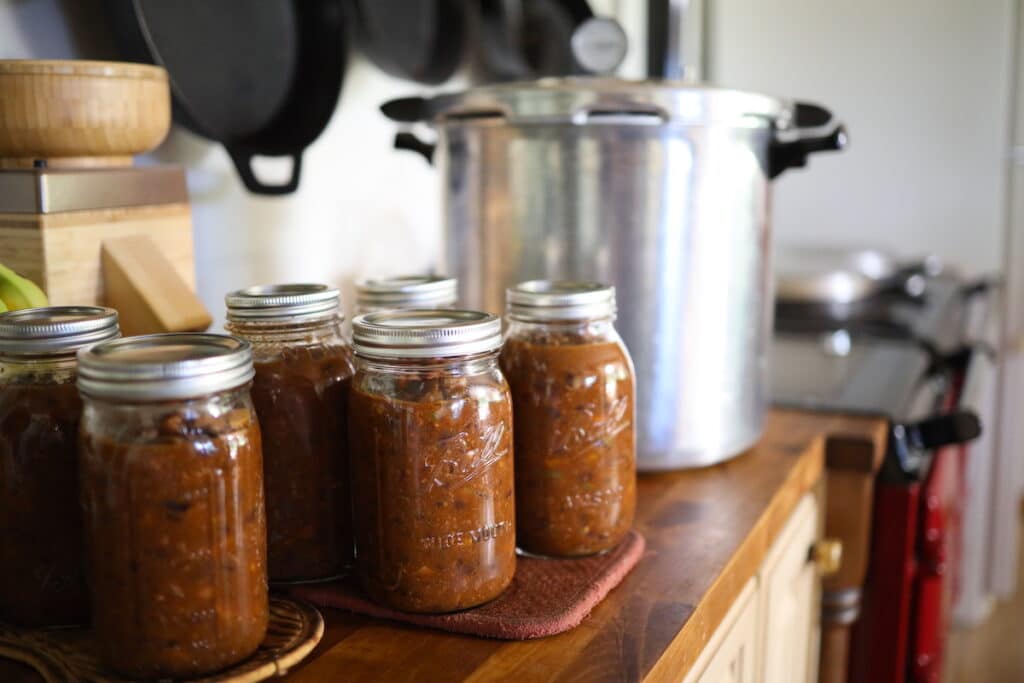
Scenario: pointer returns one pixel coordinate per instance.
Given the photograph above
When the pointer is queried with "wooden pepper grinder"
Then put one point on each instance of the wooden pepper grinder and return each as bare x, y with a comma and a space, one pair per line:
75, 215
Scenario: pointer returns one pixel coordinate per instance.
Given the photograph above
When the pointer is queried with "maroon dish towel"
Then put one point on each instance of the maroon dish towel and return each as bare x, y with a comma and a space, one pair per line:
546, 596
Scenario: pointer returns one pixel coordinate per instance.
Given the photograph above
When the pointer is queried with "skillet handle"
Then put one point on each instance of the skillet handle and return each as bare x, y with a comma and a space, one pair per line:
243, 163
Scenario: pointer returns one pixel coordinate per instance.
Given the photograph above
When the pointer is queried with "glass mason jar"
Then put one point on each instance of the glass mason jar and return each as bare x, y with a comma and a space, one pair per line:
42, 561
172, 494
572, 384
303, 376
409, 291
432, 475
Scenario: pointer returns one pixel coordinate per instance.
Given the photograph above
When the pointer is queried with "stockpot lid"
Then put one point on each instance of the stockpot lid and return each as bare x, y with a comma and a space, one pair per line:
176, 365
583, 100
55, 329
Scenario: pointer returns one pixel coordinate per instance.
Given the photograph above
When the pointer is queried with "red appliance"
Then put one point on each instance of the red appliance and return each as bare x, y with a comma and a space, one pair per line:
900, 356
940, 540
881, 637
916, 541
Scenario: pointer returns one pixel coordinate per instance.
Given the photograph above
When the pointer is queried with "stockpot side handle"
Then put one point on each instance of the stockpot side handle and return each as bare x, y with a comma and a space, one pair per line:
409, 141
407, 109
814, 129
423, 110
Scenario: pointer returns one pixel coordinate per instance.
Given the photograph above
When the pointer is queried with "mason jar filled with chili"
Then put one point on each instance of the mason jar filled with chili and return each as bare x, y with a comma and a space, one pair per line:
405, 292
303, 375
42, 561
172, 494
572, 384
431, 444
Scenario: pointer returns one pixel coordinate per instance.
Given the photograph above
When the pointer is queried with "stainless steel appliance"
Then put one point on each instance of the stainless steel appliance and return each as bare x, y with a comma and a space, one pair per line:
659, 188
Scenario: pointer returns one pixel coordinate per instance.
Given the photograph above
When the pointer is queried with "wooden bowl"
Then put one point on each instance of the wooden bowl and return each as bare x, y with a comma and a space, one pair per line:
80, 113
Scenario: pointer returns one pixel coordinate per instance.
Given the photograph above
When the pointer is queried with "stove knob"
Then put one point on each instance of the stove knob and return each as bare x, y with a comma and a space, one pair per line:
827, 555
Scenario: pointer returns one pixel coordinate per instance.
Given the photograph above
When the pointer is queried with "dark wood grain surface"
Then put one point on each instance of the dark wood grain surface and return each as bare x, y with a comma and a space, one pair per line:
707, 533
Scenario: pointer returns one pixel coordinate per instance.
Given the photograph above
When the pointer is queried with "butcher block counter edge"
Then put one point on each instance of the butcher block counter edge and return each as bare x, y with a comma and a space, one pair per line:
708, 532
800, 437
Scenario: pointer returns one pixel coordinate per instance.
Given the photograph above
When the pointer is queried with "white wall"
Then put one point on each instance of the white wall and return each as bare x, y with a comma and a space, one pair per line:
1015, 231
924, 88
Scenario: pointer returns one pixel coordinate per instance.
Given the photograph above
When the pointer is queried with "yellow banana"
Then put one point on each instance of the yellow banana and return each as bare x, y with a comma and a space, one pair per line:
3, 306
17, 292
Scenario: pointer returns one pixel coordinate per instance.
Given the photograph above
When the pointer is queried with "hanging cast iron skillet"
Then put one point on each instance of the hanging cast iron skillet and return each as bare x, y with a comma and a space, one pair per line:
546, 39
261, 78
421, 41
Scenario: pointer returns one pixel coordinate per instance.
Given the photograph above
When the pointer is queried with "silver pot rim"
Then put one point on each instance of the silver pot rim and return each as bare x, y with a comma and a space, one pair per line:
581, 100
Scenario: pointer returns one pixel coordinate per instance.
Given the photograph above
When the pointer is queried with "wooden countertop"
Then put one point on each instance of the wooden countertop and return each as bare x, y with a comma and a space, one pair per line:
707, 533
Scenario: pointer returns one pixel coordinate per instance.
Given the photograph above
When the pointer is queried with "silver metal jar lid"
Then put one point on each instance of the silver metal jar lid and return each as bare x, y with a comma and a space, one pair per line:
283, 303
164, 366
409, 291
425, 334
549, 300
55, 329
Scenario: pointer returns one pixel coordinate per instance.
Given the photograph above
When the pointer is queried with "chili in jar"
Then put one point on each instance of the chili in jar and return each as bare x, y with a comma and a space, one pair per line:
172, 489
572, 385
42, 561
432, 472
303, 376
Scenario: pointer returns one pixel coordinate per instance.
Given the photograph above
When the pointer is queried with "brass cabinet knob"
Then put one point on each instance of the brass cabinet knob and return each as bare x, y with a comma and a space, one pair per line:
827, 555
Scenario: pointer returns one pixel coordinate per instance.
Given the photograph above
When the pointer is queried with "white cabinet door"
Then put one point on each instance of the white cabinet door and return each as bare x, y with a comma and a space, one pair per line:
731, 654
789, 602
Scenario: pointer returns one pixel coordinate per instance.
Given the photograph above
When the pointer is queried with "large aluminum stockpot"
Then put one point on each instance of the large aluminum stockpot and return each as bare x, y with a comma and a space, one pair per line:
659, 188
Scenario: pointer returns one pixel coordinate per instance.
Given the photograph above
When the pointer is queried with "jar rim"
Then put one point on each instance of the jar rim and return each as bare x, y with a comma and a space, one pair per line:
51, 330
288, 302
425, 333
172, 365
407, 291
560, 300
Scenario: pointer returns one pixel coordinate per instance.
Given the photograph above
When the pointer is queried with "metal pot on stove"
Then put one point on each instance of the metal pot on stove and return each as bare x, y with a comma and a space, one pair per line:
659, 188
842, 277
